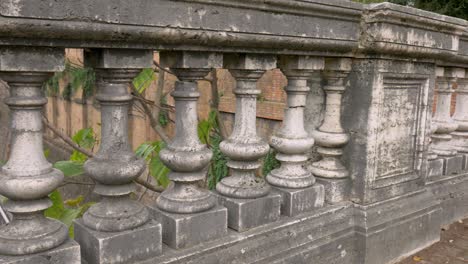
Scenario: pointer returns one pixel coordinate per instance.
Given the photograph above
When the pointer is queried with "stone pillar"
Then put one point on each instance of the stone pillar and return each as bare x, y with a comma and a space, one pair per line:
107, 225
292, 179
247, 197
442, 138
460, 136
27, 178
442, 119
330, 136
189, 214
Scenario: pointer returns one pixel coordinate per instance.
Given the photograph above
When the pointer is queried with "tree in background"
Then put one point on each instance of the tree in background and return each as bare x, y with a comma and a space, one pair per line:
455, 8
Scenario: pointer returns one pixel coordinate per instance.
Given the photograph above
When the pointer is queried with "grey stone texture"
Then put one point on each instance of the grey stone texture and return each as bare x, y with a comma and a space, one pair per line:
336, 190
435, 168
188, 230
244, 214
68, 252
453, 165
298, 201
127, 246
27, 178
371, 119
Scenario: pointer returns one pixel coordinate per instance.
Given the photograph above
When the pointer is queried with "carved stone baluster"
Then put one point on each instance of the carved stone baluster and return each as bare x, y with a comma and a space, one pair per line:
442, 138
292, 179
27, 178
117, 218
247, 197
460, 136
330, 136
184, 206
445, 125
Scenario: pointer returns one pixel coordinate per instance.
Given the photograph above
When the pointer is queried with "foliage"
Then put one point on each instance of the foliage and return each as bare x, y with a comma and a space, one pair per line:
150, 152
163, 117
455, 8
78, 78
144, 79
69, 210
208, 132
270, 162
66, 211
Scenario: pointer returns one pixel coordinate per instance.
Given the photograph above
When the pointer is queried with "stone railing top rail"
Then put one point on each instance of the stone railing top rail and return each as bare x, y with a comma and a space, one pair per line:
330, 28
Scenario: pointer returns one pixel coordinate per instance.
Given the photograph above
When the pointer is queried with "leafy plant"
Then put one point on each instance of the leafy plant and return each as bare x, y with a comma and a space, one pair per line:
270, 162
66, 211
150, 152
78, 78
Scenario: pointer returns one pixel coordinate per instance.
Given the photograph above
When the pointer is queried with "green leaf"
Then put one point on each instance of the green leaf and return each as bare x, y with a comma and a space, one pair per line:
78, 157
204, 128
57, 208
85, 138
69, 215
159, 171
144, 79
47, 153
70, 168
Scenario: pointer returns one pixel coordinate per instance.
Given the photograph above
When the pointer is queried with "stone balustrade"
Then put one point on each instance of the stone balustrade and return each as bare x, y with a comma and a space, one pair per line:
370, 178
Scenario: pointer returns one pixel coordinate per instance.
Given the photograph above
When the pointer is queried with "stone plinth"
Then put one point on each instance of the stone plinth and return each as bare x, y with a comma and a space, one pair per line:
68, 252
297, 201
435, 168
336, 190
453, 165
245, 214
127, 246
186, 230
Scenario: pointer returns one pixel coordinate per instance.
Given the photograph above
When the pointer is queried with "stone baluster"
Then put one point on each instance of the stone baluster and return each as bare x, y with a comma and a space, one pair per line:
292, 179
460, 136
189, 214
247, 197
445, 125
27, 178
117, 217
330, 137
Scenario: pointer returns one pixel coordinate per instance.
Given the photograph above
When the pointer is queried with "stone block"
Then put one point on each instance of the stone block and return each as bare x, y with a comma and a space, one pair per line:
465, 161
435, 168
186, 230
116, 58
33, 59
244, 214
397, 227
297, 201
249, 61
129, 246
190, 59
336, 190
453, 165
68, 252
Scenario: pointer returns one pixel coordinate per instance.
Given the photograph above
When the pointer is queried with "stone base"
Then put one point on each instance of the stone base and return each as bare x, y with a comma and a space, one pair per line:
186, 230
465, 161
244, 214
453, 165
297, 201
69, 253
336, 190
396, 228
129, 246
435, 168
453, 196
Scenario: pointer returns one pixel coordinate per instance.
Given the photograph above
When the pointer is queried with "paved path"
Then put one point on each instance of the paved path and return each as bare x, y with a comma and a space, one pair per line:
452, 248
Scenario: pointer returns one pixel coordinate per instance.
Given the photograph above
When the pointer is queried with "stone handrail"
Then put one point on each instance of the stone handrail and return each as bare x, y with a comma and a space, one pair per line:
384, 176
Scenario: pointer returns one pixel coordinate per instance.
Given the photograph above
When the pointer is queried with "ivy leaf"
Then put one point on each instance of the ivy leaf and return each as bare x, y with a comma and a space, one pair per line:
85, 138
70, 168
159, 171
204, 128
57, 208
75, 202
144, 79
